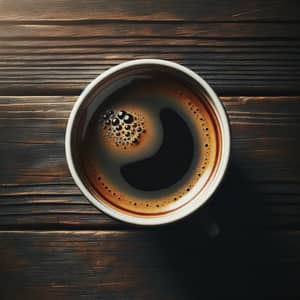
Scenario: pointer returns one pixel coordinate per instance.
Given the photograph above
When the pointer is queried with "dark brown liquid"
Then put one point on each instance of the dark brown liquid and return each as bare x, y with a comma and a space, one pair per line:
146, 144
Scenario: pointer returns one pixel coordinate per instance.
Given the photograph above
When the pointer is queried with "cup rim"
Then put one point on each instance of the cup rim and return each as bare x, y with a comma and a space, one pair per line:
192, 205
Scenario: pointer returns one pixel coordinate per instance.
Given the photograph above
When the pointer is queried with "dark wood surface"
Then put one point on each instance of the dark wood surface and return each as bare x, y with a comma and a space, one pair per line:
55, 245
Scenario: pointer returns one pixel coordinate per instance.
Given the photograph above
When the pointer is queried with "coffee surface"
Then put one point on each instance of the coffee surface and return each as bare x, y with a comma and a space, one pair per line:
147, 144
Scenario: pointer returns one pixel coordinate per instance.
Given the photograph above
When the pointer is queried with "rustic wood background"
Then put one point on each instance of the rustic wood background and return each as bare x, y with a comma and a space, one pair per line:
55, 245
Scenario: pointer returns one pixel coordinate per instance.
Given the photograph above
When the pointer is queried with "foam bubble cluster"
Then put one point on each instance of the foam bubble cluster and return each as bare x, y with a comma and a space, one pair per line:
125, 128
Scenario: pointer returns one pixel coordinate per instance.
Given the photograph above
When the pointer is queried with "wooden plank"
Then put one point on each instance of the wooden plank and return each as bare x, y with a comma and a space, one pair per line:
56, 57
47, 206
264, 131
166, 264
149, 29
37, 190
148, 10
58, 47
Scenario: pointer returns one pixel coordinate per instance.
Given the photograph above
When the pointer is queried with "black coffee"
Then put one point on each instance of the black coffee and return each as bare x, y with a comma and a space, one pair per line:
145, 143
170, 163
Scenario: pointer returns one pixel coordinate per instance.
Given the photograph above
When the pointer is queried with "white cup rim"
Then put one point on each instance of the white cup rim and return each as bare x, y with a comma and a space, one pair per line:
192, 205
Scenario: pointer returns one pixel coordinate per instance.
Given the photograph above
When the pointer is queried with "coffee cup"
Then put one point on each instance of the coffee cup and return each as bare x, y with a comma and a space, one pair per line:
148, 142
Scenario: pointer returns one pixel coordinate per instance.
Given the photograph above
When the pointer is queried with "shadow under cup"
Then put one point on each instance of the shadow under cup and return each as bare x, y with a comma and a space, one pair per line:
148, 142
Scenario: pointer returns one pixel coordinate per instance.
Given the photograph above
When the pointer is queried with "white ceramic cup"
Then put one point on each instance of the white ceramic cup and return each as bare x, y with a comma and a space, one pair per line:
198, 195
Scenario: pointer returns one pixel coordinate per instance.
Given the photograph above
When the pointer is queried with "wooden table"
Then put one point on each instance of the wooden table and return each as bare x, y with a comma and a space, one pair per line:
55, 245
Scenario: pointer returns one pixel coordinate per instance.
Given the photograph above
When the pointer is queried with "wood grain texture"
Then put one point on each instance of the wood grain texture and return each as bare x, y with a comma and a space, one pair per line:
37, 190
189, 10
164, 264
57, 47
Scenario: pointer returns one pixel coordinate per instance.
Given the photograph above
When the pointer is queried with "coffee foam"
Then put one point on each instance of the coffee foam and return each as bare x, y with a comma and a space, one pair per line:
144, 136
194, 111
